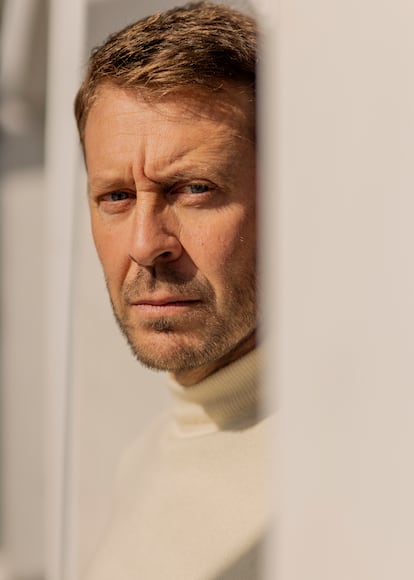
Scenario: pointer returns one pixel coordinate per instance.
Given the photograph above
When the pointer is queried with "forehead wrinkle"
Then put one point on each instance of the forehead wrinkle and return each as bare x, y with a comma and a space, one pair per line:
209, 158
212, 160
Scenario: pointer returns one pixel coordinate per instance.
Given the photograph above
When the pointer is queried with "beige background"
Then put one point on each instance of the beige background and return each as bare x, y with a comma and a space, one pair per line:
342, 266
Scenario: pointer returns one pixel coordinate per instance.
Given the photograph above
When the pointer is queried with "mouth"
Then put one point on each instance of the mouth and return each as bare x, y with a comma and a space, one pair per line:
164, 306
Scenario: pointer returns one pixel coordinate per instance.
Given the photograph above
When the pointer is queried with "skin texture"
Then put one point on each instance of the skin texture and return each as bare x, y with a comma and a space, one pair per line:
172, 201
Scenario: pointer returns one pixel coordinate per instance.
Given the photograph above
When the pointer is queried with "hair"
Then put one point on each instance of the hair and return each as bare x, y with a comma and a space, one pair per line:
200, 45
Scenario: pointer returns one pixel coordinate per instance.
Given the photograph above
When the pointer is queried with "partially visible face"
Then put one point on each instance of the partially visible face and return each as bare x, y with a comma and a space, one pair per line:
172, 200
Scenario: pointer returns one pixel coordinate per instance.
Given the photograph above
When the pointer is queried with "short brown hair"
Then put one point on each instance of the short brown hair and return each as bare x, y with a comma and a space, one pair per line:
200, 45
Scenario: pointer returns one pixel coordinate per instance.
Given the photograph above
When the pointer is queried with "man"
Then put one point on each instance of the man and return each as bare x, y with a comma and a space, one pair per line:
166, 116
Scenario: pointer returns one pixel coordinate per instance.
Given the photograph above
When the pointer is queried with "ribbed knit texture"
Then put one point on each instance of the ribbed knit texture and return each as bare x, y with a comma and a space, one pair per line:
191, 501
222, 400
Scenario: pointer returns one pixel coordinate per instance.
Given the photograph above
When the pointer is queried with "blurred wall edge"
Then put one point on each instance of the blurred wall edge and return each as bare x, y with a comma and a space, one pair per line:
23, 33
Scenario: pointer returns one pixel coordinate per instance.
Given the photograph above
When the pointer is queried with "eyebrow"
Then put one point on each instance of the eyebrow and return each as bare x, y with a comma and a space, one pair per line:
220, 169
101, 183
219, 174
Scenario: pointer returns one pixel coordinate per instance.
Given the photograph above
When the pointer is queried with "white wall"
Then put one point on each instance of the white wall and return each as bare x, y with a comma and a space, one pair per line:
342, 250
22, 313
22, 488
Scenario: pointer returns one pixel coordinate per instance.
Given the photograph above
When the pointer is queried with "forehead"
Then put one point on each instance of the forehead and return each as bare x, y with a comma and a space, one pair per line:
232, 104
173, 126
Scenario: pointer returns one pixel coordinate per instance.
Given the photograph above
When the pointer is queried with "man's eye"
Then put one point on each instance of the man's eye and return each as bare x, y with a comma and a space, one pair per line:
197, 188
117, 196
116, 201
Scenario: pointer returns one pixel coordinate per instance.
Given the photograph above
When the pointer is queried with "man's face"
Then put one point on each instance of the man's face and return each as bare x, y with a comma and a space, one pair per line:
172, 200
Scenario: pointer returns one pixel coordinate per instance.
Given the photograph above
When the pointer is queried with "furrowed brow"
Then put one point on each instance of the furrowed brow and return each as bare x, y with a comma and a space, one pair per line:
107, 183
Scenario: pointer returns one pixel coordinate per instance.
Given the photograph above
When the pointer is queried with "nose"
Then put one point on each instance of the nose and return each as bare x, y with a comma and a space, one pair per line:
155, 233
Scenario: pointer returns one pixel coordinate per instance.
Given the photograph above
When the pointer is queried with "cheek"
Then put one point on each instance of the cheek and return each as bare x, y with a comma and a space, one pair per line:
101, 240
110, 251
226, 242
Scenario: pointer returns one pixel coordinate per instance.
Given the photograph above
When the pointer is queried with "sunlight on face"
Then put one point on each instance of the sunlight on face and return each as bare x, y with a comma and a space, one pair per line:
172, 200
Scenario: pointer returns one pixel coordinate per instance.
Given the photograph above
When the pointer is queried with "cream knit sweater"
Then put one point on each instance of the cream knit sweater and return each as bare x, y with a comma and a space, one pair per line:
191, 501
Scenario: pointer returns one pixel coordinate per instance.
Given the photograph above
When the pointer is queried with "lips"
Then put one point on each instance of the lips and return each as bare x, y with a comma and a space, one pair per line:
164, 305
165, 301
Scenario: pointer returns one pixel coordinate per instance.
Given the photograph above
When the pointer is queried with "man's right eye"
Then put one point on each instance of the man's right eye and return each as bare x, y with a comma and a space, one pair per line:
116, 201
117, 196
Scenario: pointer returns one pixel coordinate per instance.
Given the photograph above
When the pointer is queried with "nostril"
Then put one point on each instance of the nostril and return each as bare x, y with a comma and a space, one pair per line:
150, 243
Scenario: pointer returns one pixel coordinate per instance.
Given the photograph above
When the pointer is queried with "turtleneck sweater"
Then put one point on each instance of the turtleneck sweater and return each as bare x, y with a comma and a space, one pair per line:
191, 500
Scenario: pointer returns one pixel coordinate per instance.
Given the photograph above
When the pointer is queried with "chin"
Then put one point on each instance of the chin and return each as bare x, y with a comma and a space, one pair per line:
172, 352
176, 360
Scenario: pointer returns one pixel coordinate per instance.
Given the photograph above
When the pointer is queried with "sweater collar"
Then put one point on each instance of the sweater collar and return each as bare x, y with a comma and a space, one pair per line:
227, 399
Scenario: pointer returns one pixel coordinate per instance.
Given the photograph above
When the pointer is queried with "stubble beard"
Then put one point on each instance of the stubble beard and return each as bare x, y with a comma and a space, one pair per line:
215, 334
